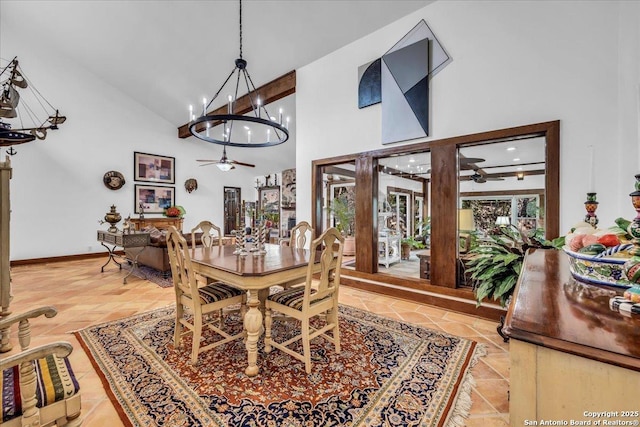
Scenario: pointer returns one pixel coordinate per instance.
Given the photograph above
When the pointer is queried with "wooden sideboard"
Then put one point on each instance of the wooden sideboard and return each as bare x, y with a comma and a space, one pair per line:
159, 223
570, 353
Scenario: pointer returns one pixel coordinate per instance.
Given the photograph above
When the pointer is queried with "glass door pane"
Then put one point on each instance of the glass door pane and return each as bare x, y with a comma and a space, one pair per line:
339, 206
403, 231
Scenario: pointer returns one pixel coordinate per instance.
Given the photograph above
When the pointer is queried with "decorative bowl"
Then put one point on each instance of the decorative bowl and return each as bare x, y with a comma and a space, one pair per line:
597, 269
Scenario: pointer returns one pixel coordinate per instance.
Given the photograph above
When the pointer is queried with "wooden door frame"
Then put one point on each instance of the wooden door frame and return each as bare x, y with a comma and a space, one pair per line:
225, 214
443, 201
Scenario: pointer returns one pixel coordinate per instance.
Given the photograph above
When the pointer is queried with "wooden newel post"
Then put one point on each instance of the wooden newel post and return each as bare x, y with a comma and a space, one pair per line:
5, 267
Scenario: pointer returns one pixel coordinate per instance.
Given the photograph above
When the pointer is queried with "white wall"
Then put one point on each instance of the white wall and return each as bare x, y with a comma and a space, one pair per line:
57, 193
514, 63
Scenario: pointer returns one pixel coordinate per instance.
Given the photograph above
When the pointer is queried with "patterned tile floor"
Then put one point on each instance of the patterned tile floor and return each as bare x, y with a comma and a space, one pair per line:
84, 296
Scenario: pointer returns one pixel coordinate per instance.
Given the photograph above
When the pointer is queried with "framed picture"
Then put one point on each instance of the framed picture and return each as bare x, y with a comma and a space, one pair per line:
154, 199
270, 199
289, 188
154, 168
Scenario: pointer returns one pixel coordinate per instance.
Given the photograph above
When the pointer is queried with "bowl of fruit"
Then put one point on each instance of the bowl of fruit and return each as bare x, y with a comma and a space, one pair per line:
598, 256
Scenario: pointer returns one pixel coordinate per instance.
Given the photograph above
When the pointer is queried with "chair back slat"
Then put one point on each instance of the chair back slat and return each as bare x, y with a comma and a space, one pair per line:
299, 234
184, 278
330, 245
207, 237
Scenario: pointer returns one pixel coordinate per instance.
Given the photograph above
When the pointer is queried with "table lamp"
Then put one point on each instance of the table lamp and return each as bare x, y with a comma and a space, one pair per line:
465, 220
503, 221
466, 224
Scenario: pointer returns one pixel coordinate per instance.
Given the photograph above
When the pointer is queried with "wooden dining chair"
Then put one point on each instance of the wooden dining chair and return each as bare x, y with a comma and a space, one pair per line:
299, 233
298, 239
207, 237
314, 299
200, 301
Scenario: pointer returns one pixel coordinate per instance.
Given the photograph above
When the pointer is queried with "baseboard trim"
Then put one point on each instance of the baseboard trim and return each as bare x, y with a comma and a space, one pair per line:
46, 260
446, 299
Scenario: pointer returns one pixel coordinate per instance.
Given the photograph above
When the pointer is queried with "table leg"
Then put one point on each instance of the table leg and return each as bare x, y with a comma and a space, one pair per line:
253, 326
111, 257
133, 260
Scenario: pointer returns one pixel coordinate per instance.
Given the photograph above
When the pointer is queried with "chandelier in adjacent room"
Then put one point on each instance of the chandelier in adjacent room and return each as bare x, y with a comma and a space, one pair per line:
256, 128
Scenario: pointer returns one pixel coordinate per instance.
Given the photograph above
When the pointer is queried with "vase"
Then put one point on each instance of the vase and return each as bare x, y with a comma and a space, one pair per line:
349, 248
112, 217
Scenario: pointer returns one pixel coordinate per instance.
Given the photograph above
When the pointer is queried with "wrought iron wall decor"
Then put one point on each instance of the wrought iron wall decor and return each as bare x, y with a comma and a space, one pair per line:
190, 185
113, 180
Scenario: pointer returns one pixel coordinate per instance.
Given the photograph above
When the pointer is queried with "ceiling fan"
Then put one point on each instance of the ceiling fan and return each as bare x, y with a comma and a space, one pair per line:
468, 163
224, 164
479, 178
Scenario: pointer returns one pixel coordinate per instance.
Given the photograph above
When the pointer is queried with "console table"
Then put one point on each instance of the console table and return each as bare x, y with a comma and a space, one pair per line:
425, 263
159, 223
388, 248
133, 244
570, 353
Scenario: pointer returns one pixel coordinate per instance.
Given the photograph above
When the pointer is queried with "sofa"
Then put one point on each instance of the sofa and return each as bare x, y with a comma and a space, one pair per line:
155, 255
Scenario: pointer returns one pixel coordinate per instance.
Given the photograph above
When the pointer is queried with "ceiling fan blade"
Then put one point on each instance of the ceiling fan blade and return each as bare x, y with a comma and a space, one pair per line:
242, 164
207, 161
494, 179
467, 160
208, 164
467, 166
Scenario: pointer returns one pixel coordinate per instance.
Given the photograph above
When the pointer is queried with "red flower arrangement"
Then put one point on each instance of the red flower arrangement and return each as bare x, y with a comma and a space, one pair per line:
174, 212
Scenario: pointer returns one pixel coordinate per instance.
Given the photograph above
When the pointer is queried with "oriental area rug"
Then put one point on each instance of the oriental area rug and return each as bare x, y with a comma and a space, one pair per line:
150, 274
388, 373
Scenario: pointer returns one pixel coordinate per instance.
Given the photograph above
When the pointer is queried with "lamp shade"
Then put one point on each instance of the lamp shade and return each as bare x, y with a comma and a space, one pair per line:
225, 167
502, 221
465, 220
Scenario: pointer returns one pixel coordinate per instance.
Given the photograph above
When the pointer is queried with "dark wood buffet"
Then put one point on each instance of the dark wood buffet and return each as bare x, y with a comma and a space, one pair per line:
570, 353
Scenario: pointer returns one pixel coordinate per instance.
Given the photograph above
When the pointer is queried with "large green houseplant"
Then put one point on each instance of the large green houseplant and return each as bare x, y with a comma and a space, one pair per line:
494, 267
343, 210
344, 213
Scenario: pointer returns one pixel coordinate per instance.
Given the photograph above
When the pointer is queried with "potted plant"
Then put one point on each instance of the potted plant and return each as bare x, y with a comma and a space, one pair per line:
344, 213
494, 268
407, 244
423, 231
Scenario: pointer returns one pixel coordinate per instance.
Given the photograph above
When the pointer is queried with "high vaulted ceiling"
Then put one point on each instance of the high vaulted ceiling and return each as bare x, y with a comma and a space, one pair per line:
167, 54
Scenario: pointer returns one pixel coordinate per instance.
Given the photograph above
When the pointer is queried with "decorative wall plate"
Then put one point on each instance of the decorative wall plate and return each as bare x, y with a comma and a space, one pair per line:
113, 180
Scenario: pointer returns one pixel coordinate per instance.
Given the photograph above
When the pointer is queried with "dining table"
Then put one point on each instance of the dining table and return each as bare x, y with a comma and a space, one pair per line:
256, 273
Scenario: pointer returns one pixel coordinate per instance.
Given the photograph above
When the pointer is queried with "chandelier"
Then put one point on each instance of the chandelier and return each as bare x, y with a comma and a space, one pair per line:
253, 129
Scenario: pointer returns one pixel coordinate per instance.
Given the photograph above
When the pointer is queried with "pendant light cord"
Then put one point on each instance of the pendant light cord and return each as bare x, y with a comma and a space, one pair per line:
240, 29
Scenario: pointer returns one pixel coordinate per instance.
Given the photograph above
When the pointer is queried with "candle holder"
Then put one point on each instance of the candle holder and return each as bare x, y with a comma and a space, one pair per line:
240, 241
632, 267
262, 238
591, 205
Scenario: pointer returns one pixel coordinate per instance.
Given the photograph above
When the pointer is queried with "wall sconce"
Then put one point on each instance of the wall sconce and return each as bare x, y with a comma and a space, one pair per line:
520, 176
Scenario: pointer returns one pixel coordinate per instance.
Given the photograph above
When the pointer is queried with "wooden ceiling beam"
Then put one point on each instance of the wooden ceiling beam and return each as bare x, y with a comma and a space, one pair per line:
336, 170
284, 85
